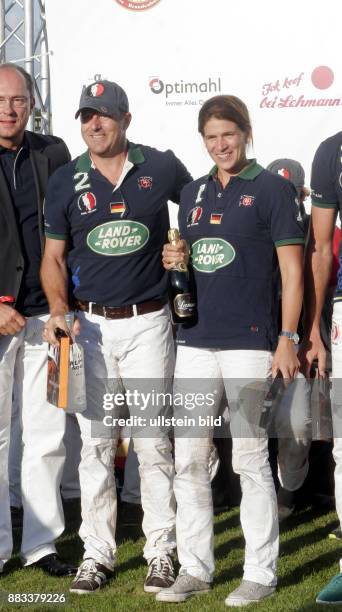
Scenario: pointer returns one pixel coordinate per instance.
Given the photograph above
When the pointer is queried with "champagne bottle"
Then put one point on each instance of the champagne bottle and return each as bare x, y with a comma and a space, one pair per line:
182, 300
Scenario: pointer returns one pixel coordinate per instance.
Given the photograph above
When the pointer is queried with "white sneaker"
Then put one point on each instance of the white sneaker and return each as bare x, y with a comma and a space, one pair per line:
248, 592
184, 587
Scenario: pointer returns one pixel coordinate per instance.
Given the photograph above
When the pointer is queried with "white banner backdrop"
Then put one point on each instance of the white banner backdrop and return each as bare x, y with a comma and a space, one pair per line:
282, 59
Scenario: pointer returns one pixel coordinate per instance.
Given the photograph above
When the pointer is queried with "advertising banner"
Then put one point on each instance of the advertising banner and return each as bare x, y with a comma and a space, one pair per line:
171, 55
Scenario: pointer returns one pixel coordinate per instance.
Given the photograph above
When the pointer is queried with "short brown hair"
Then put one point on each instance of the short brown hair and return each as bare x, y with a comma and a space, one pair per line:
229, 108
28, 79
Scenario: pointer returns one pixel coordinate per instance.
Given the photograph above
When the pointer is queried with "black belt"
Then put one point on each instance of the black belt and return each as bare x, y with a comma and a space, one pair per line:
120, 312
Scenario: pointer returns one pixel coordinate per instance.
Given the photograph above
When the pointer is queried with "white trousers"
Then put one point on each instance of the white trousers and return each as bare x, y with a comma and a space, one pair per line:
258, 513
70, 483
137, 354
15, 450
336, 404
23, 362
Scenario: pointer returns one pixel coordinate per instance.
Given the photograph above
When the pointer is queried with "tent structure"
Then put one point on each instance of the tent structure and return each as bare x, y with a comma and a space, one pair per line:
23, 40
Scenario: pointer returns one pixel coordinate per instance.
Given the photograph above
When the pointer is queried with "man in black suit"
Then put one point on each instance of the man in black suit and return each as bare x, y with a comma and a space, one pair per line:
26, 162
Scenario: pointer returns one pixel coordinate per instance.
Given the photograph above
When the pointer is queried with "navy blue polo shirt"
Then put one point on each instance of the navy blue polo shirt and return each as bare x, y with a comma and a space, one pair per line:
17, 168
115, 234
233, 233
326, 185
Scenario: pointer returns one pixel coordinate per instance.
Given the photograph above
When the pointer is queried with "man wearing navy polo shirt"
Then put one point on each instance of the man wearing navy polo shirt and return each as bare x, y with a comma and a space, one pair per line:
108, 208
326, 197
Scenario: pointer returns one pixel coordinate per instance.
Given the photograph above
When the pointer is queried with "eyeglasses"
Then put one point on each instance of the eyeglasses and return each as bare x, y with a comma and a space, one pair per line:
16, 101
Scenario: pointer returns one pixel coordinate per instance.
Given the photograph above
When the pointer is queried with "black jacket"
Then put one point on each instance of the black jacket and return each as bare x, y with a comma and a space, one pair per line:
47, 153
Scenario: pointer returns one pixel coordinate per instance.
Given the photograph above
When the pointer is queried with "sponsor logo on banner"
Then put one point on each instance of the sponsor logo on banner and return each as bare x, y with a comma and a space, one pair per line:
182, 92
211, 254
246, 200
86, 203
194, 216
145, 182
137, 5
118, 238
301, 90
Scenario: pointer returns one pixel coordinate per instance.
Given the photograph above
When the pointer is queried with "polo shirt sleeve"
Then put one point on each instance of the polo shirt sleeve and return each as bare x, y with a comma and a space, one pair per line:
285, 219
181, 177
56, 223
323, 193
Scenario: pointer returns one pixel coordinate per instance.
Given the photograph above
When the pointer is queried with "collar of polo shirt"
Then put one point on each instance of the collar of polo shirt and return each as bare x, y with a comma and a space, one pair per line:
249, 173
135, 156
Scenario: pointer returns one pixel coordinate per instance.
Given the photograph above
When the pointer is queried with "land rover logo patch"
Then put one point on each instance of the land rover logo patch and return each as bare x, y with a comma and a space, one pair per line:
118, 238
210, 254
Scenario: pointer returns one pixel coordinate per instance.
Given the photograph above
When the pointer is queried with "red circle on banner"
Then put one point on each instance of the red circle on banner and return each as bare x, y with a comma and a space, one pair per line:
137, 5
322, 77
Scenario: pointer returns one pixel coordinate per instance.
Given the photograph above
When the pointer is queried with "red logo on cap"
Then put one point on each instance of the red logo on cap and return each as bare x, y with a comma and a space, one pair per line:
137, 5
284, 172
96, 90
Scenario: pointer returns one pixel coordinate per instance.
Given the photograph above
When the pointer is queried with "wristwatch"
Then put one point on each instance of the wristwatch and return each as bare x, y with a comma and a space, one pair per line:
290, 335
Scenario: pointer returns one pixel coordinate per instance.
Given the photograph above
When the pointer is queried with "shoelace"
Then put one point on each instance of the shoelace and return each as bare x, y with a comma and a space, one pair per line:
161, 566
87, 570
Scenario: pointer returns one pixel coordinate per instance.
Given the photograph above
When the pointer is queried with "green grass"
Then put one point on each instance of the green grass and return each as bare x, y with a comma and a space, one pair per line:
308, 559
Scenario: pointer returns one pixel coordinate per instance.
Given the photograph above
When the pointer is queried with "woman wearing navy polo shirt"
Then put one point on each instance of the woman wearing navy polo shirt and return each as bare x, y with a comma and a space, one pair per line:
240, 222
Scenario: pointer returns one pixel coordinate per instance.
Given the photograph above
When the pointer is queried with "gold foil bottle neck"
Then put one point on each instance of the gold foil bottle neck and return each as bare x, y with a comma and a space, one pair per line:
173, 236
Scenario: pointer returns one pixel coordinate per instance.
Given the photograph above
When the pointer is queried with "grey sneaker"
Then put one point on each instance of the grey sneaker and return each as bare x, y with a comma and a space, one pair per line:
248, 592
184, 587
160, 575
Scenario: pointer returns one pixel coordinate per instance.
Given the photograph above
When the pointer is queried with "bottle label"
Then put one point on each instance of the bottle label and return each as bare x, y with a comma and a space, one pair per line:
184, 305
181, 267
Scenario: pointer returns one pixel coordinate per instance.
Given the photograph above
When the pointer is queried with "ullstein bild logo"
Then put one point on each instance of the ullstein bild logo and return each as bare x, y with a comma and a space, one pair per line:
137, 5
181, 89
287, 91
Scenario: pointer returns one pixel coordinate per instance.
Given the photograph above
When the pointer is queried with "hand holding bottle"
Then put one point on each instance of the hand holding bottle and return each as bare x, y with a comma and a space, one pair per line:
181, 294
175, 252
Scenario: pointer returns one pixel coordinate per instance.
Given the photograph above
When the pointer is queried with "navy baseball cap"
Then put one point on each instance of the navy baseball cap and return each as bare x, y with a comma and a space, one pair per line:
106, 97
290, 169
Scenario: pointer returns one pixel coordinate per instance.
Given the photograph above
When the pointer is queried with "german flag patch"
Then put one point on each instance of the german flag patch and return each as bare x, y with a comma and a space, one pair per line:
215, 218
117, 208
